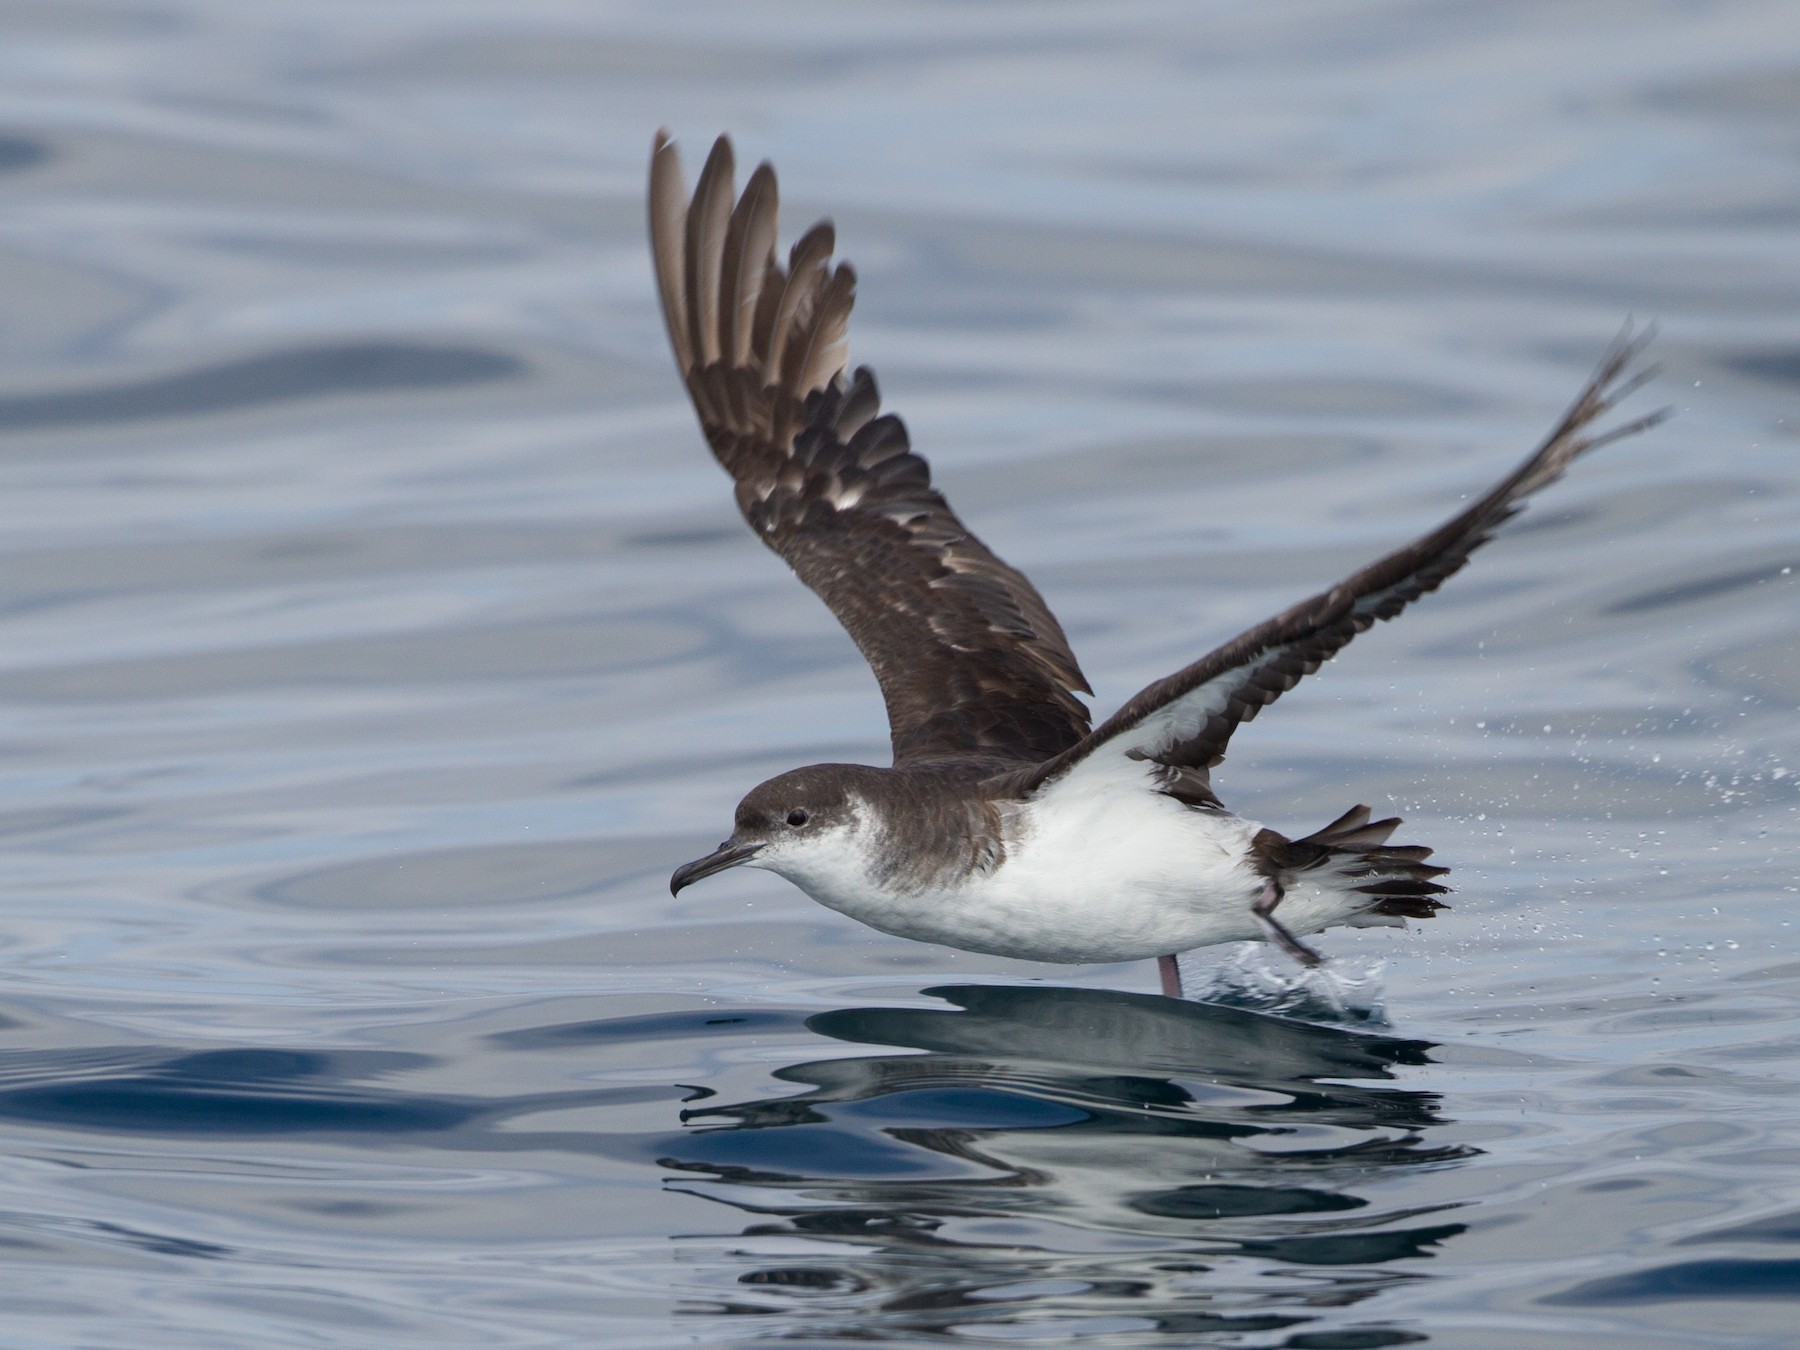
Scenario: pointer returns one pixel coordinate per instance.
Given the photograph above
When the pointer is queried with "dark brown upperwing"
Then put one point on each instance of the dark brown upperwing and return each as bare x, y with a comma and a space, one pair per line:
969, 658
1186, 719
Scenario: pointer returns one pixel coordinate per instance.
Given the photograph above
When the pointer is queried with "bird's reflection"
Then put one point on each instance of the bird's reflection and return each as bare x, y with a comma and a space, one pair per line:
1075, 1159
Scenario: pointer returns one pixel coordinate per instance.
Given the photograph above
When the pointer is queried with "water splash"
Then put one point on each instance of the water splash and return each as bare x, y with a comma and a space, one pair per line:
1340, 992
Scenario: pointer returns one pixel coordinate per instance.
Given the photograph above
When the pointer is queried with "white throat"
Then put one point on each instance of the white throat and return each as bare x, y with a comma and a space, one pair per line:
839, 861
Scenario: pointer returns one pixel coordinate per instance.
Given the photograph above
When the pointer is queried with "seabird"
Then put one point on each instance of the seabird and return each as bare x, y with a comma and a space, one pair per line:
1008, 823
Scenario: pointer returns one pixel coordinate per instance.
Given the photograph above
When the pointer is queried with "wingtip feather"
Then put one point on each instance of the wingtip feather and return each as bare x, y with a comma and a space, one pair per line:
668, 228
749, 249
708, 217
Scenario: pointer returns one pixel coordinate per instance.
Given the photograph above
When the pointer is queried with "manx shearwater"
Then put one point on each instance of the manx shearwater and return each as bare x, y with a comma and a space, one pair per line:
1009, 823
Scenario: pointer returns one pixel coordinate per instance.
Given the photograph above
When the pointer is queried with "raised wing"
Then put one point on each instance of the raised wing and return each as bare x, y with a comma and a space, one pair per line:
968, 656
1185, 720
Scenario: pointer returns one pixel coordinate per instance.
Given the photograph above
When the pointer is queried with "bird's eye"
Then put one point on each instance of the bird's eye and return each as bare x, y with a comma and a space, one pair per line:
797, 817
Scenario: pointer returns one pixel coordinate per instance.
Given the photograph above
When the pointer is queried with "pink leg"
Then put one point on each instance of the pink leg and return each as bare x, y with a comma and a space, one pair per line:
1170, 970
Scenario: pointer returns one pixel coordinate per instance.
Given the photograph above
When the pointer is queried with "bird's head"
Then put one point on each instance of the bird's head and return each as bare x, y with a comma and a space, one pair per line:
801, 825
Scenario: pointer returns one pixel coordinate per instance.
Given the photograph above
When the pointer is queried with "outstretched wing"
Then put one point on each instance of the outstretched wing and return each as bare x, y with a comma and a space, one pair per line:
969, 658
1185, 720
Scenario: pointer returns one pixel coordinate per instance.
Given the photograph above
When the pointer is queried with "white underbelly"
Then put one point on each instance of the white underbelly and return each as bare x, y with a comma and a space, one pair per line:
1128, 875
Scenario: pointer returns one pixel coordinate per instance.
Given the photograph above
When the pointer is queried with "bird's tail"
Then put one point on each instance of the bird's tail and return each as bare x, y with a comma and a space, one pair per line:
1354, 851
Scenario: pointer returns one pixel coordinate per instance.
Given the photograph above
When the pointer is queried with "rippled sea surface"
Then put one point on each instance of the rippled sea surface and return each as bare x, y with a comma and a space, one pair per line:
376, 634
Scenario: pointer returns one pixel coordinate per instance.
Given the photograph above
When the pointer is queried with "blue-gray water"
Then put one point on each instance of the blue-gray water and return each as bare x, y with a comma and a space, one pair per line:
376, 634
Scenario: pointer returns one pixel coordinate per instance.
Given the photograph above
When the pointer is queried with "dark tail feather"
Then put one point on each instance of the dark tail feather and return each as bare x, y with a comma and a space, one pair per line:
1407, 906
1355, 831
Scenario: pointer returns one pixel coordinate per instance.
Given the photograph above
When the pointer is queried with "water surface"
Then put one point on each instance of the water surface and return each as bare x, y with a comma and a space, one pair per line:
378, 635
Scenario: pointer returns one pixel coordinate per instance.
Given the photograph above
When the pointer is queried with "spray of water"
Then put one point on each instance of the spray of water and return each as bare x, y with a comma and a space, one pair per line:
1253, 976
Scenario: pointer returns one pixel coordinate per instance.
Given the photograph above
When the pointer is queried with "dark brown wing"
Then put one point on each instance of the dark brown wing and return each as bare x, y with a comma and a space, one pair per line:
968, 656
1186, 719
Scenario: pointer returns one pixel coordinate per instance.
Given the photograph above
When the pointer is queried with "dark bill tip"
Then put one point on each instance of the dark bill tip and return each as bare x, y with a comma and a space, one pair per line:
725, 855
